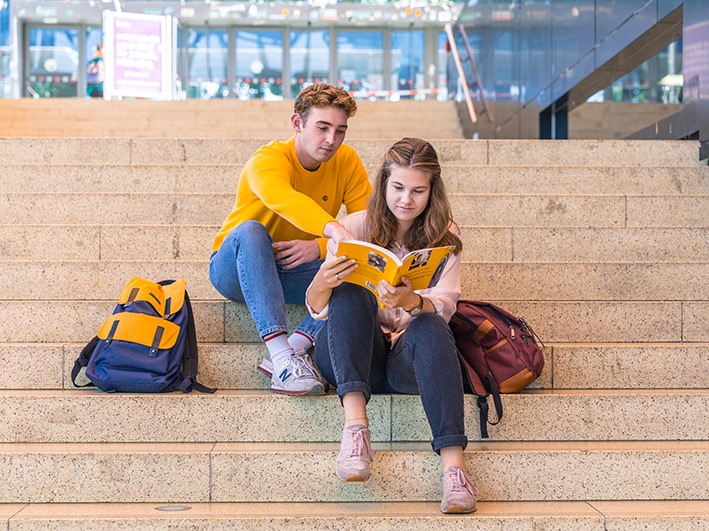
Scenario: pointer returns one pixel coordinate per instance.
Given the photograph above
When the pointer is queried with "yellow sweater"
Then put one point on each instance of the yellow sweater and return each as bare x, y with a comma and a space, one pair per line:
292, 202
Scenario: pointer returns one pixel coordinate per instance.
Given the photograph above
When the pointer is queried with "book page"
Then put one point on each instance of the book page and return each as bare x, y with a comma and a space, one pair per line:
424, 267
374, 263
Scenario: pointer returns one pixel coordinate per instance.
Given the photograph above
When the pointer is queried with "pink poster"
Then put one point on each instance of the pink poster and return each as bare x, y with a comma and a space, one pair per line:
139, 58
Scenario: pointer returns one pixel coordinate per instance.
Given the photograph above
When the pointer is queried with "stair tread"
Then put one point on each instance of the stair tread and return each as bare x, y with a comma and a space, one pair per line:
276, 511
301, 447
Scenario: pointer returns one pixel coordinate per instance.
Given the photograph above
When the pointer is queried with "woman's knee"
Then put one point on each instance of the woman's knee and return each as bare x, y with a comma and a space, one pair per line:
348, 295
430, 328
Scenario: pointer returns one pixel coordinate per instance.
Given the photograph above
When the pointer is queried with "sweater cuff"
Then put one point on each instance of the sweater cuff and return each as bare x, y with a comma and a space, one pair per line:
322, 243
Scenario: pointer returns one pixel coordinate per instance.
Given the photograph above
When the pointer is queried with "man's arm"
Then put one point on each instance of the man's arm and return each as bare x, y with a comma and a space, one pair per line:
293, 253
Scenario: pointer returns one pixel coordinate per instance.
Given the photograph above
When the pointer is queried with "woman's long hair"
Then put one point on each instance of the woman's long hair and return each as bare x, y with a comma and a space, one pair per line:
431, 227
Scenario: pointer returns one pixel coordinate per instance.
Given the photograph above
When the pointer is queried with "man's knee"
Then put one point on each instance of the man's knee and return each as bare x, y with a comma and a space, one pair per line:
250, 231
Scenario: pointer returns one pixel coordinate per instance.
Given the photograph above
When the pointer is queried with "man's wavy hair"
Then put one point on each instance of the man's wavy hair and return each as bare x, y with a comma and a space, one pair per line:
324, 95
431, 227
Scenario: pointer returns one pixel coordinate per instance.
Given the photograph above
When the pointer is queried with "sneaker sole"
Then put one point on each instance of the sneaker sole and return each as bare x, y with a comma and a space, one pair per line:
352, 479
264, 370
457, 509
310, 392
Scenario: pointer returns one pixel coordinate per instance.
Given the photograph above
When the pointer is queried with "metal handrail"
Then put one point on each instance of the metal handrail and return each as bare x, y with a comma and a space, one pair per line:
461, 74
474, 66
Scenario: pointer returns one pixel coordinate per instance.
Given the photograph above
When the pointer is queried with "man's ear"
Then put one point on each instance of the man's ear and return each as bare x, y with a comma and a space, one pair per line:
297, 122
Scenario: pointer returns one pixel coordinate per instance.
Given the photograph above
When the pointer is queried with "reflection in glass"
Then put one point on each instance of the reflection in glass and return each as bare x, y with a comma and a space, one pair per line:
309, 58
207, 64
259, 65
359, 63
5, 51
407, 62
657, 80
53, 60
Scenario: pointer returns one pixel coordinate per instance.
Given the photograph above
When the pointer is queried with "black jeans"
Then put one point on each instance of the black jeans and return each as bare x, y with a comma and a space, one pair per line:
354, 355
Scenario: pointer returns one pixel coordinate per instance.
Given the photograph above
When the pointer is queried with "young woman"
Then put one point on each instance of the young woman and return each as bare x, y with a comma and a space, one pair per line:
407, 347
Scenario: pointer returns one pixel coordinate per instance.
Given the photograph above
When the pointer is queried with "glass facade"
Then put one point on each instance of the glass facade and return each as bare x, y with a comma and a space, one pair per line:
657, 80
53, 62
257, 50
207, 63
259, 65
5, 50
360, 67
551, 56
309, 58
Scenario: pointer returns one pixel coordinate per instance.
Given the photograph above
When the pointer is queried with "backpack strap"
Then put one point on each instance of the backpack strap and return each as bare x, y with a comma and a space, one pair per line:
478, 388
190, 357
78, 372
482, 390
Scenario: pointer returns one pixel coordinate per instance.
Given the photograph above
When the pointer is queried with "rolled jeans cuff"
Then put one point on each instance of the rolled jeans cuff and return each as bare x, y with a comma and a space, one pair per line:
444, 441
354, 387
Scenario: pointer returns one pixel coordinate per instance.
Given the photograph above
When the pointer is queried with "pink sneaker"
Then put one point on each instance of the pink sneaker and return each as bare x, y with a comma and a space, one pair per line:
355, 457
459, 494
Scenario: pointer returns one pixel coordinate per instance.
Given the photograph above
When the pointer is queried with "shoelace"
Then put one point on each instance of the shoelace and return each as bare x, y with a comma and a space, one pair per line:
460, 483
303, 366
361, 445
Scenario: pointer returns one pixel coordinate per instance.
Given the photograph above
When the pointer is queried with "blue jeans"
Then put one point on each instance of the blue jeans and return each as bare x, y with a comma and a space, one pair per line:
244, 270
353, 354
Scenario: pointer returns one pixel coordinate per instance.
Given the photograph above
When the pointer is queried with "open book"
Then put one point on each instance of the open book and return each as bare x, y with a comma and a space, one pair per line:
423, 267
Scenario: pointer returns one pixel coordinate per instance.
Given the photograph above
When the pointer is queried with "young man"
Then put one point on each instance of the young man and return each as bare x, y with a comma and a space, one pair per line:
273, 242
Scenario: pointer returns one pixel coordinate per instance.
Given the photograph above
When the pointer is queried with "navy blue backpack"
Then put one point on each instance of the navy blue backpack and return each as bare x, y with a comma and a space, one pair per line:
148, 345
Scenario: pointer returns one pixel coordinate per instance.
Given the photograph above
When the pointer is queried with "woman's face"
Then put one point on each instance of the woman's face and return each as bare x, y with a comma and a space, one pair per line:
407, 194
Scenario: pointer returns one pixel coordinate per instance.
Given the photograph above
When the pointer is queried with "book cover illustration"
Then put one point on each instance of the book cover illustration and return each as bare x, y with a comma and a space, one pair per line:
423, 267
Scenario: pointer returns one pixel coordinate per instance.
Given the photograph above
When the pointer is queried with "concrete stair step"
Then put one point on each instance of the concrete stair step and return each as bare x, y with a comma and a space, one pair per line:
233, 366
64, 321
193, 127
523, 153
253, 472
92, 416
589, 211
83, 280
97, 177
490, 244
367, 516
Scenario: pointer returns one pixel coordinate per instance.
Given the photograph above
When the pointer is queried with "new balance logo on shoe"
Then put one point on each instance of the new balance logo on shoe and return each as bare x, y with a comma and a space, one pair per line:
298, 377
285, 375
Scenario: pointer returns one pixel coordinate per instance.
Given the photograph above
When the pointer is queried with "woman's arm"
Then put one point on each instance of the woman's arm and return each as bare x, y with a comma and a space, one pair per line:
331, 274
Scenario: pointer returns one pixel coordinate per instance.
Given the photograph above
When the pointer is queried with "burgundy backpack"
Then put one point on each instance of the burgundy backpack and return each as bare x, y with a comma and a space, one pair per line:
498, 353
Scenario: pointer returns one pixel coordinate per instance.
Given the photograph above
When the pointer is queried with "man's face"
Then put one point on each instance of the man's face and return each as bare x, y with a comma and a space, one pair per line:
319, 136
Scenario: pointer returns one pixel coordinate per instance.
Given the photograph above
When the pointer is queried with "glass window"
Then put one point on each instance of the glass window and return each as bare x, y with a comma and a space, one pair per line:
5, 50
309, 58
53, 62
359, 62
259, 65
442, 66
407, 63
207, 63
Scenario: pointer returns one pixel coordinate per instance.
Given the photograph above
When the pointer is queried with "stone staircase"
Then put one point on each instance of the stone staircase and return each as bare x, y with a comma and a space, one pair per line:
81, 117
601, 245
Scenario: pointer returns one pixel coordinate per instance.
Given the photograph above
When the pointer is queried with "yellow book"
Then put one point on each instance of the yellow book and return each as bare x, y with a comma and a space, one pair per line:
423, 266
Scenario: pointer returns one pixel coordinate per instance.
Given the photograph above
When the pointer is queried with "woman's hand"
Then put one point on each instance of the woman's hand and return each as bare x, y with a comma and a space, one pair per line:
401, 296
331, 274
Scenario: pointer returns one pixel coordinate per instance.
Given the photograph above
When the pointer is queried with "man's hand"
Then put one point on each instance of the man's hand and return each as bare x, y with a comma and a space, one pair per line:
293, 253
337, 232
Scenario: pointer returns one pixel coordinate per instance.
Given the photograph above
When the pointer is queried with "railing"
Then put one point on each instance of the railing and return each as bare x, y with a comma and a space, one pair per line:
477, 83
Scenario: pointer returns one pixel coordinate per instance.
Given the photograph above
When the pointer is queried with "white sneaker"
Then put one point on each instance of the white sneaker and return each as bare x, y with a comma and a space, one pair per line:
298, 377
266, 366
